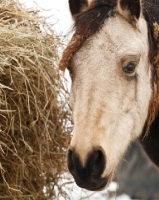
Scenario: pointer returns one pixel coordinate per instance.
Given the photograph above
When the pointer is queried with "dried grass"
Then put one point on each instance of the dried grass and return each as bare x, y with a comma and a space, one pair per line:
34, 118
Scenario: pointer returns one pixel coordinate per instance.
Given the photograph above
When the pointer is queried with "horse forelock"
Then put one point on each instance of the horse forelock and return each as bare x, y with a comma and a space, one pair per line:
87, 23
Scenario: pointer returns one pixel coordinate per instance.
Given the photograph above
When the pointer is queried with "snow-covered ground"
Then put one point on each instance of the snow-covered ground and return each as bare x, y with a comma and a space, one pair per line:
59, 16
76, 193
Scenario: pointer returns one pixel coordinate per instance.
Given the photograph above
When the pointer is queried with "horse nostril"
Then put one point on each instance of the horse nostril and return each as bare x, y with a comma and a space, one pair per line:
95, 163
88, 174
98, 162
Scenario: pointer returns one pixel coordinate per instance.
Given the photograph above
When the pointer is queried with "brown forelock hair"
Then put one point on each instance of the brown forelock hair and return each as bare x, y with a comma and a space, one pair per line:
89, 22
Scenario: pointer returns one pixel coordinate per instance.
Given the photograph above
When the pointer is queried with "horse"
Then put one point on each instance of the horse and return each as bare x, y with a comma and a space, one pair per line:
113, 60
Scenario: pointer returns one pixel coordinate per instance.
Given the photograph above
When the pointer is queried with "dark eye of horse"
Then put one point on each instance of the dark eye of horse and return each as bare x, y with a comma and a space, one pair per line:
130, 68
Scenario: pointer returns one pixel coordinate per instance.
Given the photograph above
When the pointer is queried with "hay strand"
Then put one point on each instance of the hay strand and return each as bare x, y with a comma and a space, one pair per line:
34, 117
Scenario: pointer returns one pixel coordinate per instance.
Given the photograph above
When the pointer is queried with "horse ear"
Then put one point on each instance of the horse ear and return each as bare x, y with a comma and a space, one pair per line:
77, 6
130, 9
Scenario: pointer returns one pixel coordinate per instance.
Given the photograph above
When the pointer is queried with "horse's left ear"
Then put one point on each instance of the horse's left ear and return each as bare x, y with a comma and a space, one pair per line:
130, 9
77, 6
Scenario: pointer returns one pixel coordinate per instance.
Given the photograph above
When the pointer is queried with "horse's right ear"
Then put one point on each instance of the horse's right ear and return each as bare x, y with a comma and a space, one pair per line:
130, 9
77, 6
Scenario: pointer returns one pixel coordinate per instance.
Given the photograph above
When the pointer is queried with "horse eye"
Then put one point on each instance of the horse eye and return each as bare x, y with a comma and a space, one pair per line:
130, 68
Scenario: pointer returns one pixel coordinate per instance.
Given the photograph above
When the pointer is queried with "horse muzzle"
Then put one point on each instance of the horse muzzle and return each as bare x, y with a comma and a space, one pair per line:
89, 175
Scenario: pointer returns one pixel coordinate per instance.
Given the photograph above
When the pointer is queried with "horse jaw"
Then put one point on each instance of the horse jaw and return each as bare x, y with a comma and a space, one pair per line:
110, 107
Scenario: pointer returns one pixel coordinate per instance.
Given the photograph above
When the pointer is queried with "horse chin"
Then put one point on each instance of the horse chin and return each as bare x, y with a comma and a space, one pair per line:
98, 185
109, 180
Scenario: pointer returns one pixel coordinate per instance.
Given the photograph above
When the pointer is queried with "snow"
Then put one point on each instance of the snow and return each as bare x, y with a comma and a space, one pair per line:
76, 193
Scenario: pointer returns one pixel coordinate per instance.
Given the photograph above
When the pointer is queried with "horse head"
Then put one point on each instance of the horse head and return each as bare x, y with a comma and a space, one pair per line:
112, 88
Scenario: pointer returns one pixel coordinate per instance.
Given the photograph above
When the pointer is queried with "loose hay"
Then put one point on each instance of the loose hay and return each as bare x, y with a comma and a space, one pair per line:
34, 118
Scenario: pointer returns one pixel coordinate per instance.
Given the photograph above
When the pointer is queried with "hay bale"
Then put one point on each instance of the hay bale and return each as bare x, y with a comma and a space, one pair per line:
34, 118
